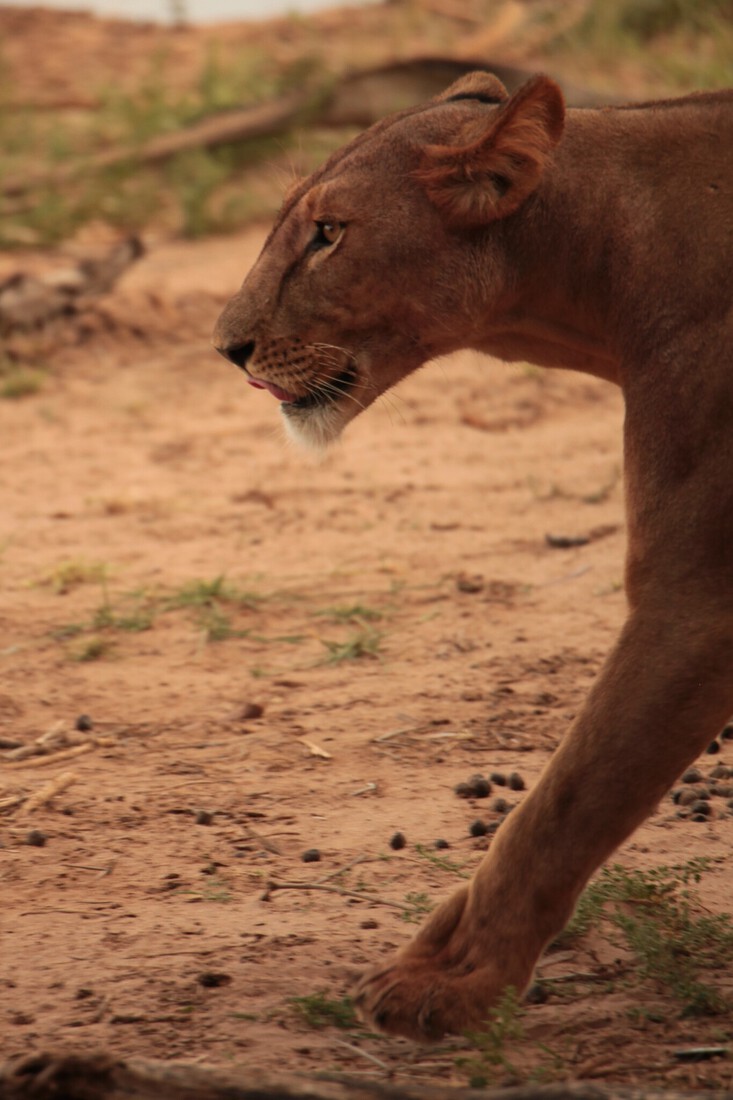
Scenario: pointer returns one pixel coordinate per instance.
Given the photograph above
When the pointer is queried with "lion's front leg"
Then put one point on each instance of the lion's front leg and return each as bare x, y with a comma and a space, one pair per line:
661, 698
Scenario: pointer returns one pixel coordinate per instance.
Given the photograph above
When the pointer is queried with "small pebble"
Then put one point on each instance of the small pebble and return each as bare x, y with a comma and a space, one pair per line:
727, 733
478, 828
686, 797
440, 843
397, 842
500, 806
701, 807
84, 723
515, 782
720, 772
203, 817
311, 856
692, 775
498, 778
463, 790
712, 748
36, 838
369, 923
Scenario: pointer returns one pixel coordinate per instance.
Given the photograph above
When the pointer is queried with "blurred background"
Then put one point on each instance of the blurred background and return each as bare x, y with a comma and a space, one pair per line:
197, 11
188, 117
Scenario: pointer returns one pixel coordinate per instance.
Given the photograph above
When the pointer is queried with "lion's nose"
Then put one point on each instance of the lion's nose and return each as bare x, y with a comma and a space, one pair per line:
239, 354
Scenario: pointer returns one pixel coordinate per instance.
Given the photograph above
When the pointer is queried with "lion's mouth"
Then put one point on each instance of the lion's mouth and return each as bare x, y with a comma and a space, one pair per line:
324, 392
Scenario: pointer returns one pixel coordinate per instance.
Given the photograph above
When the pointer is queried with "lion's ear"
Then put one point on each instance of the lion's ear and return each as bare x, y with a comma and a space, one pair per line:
475, 85
493, 174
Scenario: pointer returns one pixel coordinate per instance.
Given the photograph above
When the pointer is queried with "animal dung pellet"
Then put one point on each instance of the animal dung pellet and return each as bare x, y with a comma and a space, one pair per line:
478, 828
397, 841
515, 782
312, 855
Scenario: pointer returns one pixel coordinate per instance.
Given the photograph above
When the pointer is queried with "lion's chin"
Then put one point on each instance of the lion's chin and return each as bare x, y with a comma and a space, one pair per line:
316, 428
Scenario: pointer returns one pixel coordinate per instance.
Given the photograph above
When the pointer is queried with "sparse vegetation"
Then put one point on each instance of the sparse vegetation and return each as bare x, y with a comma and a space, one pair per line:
318, 1010
660, 920
503, 1026
364, 642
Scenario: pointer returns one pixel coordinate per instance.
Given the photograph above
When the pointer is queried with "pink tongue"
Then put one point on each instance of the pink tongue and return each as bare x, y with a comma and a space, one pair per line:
281, 395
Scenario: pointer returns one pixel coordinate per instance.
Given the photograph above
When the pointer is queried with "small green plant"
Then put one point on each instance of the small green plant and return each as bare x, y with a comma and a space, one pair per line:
18, 381
362, 643
656, 914
443, 862
93, 649
351, 613
319, 1011
503, 1026
68, 575
417, 905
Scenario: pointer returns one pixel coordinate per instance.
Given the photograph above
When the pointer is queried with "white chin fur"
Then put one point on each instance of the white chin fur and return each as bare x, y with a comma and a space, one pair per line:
315, 429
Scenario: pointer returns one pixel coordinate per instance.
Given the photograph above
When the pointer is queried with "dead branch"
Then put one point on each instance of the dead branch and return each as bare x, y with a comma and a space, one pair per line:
357, 99
29, 301
101, 1076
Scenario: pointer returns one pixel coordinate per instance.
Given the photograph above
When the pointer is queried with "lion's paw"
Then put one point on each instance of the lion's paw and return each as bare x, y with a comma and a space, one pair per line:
425, 1002
446, 980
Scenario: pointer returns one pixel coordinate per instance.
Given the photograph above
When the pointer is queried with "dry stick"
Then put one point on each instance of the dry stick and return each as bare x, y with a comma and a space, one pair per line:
364, 1054
346, 867
272, 886
49, 790
54, 758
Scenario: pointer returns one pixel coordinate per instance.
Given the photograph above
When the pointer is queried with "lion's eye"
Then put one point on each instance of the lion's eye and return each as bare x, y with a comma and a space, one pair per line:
327, 233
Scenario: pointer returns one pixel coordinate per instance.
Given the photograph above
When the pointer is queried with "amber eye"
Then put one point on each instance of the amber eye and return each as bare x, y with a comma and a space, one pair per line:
327, 233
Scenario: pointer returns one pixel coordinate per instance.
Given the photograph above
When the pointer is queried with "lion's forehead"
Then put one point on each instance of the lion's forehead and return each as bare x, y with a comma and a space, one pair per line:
392, 143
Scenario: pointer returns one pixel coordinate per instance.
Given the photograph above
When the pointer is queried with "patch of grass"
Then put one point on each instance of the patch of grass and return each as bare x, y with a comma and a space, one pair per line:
203, 593
443, 862
71, 574
319, 1011
658, 916
503, 1026
680, 41
133, 622
362, 643
18, 381
417, 905
92, 649
351, 613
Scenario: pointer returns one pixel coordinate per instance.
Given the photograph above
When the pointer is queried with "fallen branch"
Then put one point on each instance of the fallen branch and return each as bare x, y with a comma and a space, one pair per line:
273, 886
357, 99
28, 301
48, 1076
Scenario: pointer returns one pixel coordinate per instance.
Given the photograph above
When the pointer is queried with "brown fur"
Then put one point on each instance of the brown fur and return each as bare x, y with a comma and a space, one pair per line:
603, 244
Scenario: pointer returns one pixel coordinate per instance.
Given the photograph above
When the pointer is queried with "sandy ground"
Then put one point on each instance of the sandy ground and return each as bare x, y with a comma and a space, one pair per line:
236, 654
277, 655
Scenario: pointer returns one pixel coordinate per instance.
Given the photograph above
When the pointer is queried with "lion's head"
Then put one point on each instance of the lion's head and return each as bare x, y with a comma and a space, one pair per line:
387, 255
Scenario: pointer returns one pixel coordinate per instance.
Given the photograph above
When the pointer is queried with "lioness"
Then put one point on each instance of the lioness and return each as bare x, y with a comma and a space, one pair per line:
602, 241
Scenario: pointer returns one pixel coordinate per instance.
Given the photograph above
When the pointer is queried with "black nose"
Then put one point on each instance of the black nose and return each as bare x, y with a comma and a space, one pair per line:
239, 354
